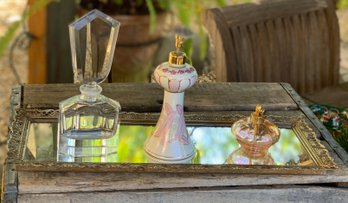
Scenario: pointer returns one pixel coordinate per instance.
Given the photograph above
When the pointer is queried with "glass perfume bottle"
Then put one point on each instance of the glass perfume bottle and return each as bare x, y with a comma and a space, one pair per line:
256, 135
88, 122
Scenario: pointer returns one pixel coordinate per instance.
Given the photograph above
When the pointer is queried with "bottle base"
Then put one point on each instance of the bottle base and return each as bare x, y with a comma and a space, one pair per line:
89, 134
155, 159
93, 150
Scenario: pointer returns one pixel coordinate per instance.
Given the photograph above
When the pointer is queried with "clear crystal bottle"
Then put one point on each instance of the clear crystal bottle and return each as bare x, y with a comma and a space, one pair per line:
88, 122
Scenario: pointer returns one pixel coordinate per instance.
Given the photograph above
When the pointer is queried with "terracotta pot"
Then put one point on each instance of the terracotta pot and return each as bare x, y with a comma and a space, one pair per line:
134, 29
136, 48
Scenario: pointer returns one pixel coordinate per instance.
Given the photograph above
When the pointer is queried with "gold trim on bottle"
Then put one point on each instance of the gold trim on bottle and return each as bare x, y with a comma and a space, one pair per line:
177, 57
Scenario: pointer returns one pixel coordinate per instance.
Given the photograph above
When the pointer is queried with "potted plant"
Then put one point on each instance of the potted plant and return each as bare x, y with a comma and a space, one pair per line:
136, 44
143, 23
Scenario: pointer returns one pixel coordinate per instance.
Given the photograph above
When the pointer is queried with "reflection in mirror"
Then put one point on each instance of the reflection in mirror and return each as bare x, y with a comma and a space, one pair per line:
87, 150
214, 145
41, 142
287, 151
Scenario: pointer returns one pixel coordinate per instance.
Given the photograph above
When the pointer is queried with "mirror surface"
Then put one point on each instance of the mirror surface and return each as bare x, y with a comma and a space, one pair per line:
214, 146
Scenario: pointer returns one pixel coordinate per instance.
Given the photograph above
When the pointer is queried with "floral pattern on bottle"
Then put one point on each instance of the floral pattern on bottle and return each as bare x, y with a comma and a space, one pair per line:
170, 142
175, 80
171, 117
180, 71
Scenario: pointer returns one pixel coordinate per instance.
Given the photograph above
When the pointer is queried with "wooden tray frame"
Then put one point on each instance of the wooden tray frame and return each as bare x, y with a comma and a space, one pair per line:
307, 136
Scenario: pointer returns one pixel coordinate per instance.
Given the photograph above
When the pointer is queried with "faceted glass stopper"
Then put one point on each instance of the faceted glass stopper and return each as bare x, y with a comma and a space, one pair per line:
93, 38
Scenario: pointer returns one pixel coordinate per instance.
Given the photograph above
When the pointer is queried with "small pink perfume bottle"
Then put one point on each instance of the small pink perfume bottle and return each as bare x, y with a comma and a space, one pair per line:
256, 135
170, 142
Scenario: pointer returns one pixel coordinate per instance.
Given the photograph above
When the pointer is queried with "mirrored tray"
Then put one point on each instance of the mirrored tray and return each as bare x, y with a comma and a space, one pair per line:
297, 152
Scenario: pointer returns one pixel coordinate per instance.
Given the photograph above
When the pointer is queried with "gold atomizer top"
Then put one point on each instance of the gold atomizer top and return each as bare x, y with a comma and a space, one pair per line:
177, 57
257, 119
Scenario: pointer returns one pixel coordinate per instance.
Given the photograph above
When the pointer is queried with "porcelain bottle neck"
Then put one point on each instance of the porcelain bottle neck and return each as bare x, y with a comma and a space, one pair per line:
173, 98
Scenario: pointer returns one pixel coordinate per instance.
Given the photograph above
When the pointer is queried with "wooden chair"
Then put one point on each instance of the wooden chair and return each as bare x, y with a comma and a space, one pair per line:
294, 41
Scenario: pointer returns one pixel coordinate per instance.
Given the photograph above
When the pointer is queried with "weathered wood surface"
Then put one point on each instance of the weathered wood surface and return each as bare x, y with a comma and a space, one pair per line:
148, 97
158, 187
168, 168
295, 41
238, 194
58, 182
325, 134
9, 182
334, 96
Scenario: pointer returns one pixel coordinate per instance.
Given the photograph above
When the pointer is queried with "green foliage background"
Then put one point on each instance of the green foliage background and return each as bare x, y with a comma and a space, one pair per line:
185, 17
180, 5
7, 38
342, 4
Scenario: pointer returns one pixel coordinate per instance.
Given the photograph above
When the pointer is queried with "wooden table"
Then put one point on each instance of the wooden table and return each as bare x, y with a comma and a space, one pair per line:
215, 98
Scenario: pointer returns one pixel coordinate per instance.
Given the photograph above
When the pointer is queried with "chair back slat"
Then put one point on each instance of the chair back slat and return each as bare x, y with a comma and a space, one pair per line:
294, 41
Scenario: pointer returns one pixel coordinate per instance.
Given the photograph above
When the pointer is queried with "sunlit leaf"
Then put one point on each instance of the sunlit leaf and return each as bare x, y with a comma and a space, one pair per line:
188, 48
342, 4
164, 4
8, 36
6, 39
203, 44
221, 2
197, 158
152, 13
184, 11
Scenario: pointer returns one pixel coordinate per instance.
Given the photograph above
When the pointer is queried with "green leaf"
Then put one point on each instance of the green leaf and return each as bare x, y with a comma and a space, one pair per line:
342, 138
139, 2
184, 11
164, 4
152, 13
342, 4
197, 158
221, 2
203, 45
188, 48
6, 39
8, 36
242, 1
118, 2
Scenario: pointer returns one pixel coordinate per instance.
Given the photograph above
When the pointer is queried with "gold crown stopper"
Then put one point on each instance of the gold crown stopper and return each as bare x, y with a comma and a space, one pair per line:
257, 119
178, 42
177, 57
